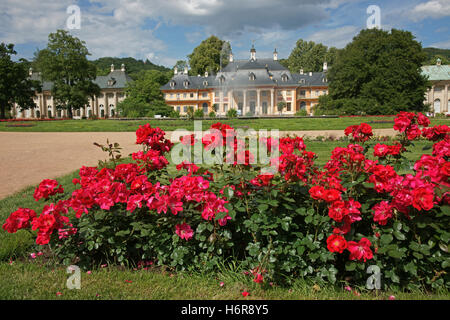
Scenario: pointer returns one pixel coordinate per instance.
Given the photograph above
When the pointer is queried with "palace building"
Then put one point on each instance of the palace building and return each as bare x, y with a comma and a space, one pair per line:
112, 91
437, 97
252, 87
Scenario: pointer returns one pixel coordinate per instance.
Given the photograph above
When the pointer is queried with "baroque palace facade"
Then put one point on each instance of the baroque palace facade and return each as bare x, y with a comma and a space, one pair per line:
437, 97
112, 87
252, 87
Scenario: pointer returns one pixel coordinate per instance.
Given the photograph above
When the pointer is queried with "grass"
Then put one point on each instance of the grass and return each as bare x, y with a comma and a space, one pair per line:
170, 125
32, 279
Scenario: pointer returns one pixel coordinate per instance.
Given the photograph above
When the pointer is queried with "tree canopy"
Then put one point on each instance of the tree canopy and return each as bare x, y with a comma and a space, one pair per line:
15, 87
65, 63
210, 55
309, 56
144, 98
379, 72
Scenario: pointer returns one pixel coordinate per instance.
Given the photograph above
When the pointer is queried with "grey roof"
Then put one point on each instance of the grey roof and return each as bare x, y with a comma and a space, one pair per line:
437, 72
118, 78
247, 73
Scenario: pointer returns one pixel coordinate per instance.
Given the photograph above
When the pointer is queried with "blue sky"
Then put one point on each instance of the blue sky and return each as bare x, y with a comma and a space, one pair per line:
165, 31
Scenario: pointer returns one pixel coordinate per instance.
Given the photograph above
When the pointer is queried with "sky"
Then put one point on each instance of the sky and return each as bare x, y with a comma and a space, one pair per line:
165, 31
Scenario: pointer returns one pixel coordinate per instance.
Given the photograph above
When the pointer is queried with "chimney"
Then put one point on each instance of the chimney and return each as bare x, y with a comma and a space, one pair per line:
310, 74
438, 62
231, 57
275, 55
175, 70
30, 72
112, 68
206, 73
325, 67
253, 53
185, 70
301, 71
122, 67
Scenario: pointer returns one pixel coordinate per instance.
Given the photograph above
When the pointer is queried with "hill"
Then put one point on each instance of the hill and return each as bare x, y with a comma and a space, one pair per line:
434, 53
132, 65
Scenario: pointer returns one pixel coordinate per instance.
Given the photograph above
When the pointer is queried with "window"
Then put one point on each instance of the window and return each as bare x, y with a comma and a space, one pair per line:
205, 94
184, 95
178, 109
186, 83
317, 93
302, 92
288, 106
264, 93
302, 81
225, 107
185, 109
284, 78
191, 95
222, 79
205, 83
172, 84
178, 96
252, 76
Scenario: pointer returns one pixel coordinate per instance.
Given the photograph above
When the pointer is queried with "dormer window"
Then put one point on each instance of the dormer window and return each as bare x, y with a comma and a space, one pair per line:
222, 79
252, 76
284, 78
324, 80
186, 83
172, 84
205, 83
111, 82
302, 81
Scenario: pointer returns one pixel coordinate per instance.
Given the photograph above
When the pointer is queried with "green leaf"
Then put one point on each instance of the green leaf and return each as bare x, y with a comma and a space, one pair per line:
386, 239
395, 254
263, 207
400, 236
350, 266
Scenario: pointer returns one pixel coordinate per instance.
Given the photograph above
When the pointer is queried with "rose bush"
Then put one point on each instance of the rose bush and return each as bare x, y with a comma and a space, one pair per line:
327, 224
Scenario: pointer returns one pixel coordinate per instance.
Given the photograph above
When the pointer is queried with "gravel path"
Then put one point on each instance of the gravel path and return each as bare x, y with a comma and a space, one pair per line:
28, 157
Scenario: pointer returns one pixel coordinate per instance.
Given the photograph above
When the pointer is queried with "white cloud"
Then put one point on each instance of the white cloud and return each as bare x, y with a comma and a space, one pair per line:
338, 37
432, 9
441, 44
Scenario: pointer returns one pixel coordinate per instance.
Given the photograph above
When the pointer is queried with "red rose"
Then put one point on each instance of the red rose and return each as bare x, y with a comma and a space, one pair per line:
336, 243
360, 250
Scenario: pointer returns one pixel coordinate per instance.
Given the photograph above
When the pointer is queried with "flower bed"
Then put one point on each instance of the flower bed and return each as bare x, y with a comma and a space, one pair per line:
327, 224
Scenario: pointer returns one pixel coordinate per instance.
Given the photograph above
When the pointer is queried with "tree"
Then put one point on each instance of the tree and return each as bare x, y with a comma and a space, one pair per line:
209, 56
15, 87
65, 63
310, 56
381, 67
280, 106
181, 65
144, 98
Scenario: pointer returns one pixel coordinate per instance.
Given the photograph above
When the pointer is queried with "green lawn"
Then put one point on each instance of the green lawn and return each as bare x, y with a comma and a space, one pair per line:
170, 125
34, 280
31, 279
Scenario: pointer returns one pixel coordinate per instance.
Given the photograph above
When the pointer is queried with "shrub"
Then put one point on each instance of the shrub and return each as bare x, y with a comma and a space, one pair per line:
232, 113
212, 114
326, 224
199, 113
301, 113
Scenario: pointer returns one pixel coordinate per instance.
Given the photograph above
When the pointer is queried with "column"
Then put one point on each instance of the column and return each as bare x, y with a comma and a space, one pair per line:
106, 105
272, 98
445, 107
230, 100
294, 101
432, 98
258, 102
41, 105
116, 102
221, 101
244, 106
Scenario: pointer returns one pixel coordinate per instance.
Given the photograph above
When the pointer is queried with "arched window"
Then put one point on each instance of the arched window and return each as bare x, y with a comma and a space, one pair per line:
49, 113
186, 83
303, 105
102, 113
284, 78
222, 79
302, 81
112, 112
252, 76
205, 83
172, 84
437, 106
38, 114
